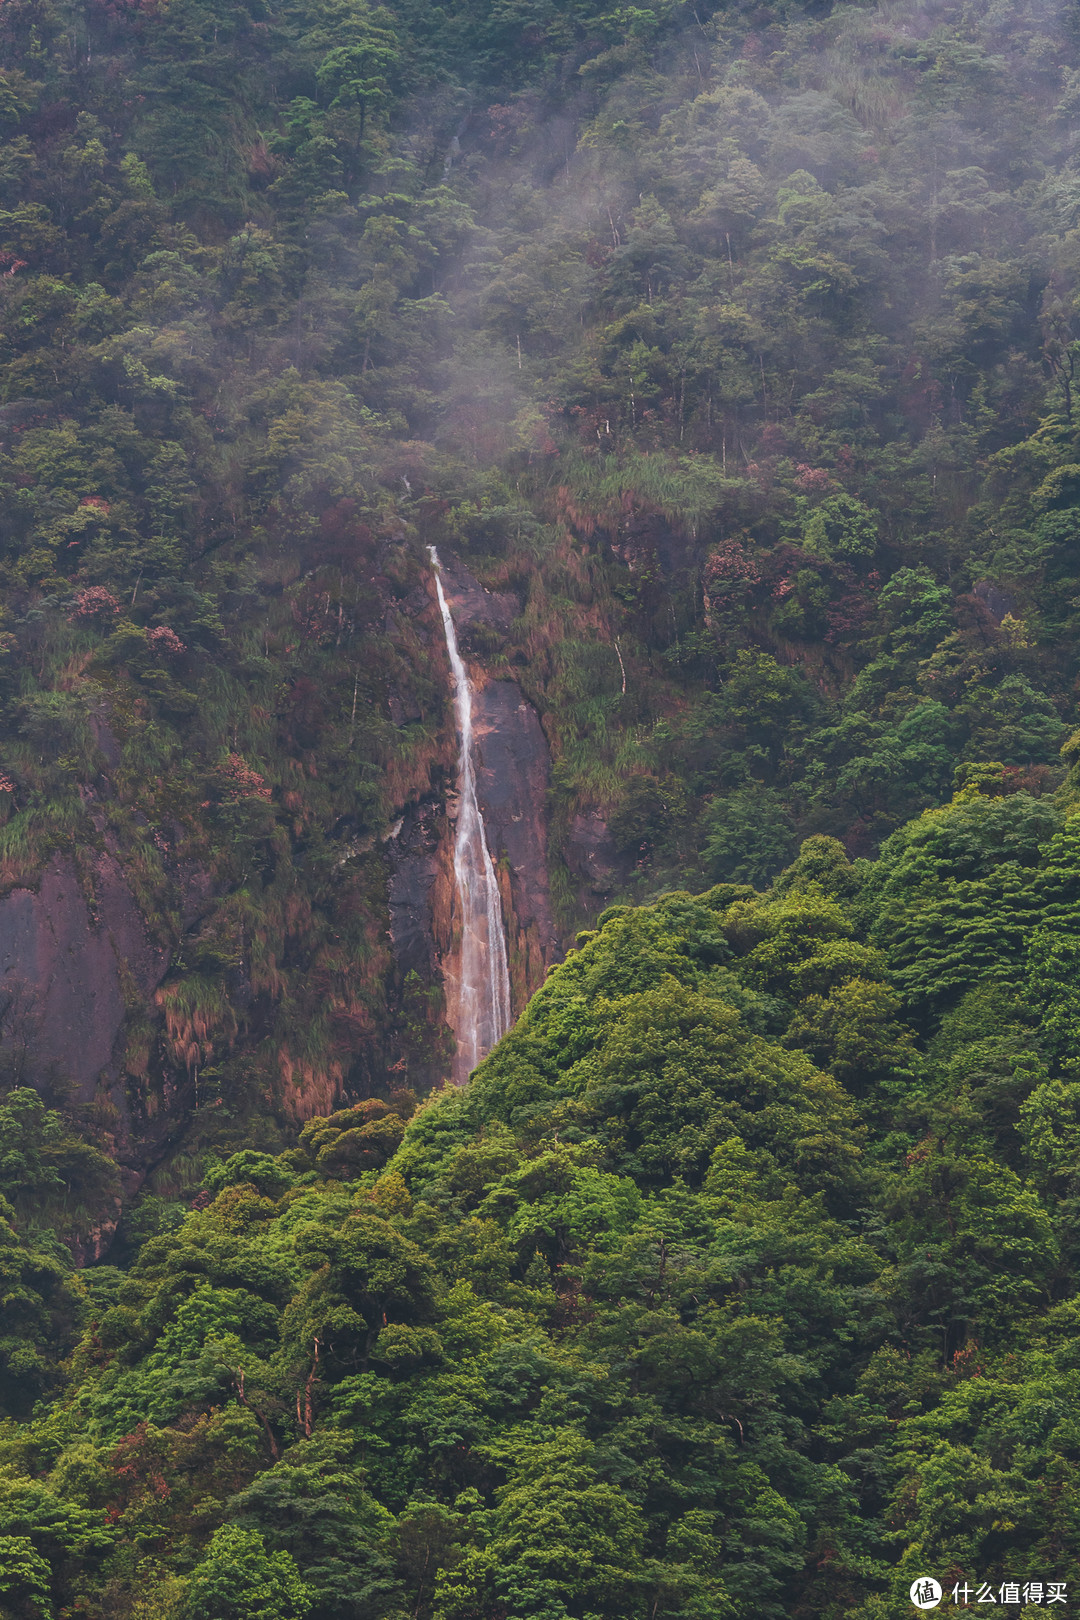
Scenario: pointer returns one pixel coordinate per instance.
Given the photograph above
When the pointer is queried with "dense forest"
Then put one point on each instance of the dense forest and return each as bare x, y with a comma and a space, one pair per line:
739, 1282
735, 347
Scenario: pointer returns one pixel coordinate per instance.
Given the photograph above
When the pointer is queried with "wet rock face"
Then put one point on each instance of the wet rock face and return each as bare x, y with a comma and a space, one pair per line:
471, 604
74, 953
418, 1042
997, 601
593, 858
416, 865
513, 771
63, 971
513, 776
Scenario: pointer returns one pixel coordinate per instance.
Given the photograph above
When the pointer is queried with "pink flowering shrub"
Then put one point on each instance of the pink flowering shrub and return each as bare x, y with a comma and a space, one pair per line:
730, 565
163, 640
95, 602
240, 781
811, 480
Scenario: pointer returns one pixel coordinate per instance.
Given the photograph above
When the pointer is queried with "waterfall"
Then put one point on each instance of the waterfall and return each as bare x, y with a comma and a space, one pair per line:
480, 998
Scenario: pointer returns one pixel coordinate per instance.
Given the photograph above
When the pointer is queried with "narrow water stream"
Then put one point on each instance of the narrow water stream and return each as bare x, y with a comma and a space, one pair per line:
479, 999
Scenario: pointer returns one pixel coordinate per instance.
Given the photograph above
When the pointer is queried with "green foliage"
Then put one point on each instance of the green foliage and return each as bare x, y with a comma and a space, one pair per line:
41, 1312
737, 348
749, 836
841, 527
45, 1540
52, 1176
703, 1273
554, 1515
238, 1579
955, 894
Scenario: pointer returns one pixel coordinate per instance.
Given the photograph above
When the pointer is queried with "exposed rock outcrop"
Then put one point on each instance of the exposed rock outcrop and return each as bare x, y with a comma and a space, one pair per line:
593, 857
419, 886
72, 952
513, 778
471, 604
513, 770
416, 863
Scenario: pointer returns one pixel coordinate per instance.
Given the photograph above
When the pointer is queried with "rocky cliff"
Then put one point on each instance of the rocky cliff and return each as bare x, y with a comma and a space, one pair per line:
148, 1008
513, 780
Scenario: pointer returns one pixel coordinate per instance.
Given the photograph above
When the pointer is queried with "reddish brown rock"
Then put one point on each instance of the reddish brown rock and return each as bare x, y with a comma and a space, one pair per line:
513, 767
68, 950
512, 781
592, 856
471, 604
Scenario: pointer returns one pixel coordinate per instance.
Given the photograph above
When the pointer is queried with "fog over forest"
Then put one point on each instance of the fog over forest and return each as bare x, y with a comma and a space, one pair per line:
539, 809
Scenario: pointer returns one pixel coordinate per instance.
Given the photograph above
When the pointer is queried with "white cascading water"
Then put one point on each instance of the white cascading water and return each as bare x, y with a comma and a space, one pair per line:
482, 1012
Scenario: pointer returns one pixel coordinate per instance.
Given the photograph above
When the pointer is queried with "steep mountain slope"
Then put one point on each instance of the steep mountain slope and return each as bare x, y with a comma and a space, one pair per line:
729, 349
722, 1291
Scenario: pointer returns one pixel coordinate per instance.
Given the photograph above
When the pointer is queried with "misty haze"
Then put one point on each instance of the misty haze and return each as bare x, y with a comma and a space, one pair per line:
539, 809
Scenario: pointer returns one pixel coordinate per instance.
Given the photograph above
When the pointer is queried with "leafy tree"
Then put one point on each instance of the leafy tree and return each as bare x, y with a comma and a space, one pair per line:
749, 836
841, 527
967, 868
238, 1579
319, 1513
563, 1542
52, 1175
41, 1313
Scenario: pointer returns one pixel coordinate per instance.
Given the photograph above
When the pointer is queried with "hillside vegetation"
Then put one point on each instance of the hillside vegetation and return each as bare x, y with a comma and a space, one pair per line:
725, 1290
739, 344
